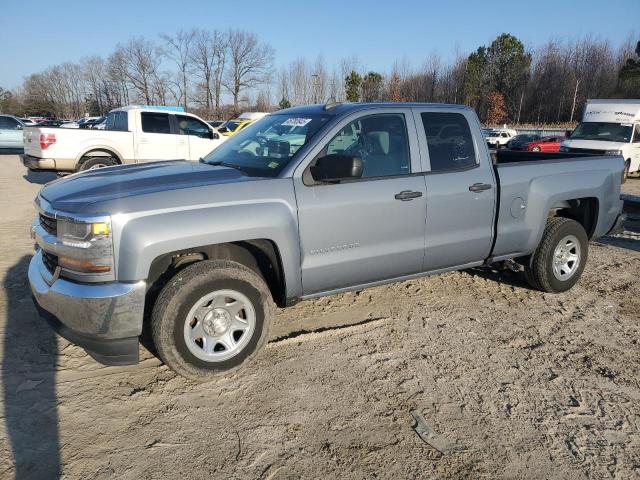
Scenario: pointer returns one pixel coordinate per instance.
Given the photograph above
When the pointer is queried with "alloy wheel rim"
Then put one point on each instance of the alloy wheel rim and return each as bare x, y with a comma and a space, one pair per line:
566, 258
219, 325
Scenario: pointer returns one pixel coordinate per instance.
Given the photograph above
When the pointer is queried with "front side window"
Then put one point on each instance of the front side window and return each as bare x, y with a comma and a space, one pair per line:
192, 126
266, 146
636, 135
452, 147
379, 140
155, 122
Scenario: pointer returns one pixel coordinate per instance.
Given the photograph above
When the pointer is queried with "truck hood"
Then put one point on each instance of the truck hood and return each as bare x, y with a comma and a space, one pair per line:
593, 144
77, 192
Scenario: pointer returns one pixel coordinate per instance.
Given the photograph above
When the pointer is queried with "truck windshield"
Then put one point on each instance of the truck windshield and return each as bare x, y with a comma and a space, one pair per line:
608, 132
265, 147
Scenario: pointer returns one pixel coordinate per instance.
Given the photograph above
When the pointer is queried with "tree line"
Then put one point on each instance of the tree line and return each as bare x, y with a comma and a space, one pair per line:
220, 73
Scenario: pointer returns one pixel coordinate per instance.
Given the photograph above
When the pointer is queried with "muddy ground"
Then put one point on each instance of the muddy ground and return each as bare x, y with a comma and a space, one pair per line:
510, 382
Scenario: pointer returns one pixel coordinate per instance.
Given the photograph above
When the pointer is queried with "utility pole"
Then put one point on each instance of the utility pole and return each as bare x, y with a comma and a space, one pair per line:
575, 96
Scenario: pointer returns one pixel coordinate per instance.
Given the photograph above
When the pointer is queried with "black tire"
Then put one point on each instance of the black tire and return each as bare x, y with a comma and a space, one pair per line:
540, 273
627, 167
183, 291
95, 162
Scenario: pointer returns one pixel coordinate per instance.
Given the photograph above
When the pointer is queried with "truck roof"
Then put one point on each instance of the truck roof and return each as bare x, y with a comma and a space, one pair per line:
157, 108
346, 107
612, 110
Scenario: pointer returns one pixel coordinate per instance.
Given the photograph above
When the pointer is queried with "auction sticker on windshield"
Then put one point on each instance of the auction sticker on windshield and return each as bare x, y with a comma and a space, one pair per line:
296, 122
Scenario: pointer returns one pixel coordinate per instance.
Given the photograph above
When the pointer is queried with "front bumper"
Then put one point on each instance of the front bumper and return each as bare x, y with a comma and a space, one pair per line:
103, 318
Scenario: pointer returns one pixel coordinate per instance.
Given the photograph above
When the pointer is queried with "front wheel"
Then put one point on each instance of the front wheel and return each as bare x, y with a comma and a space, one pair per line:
560, 258
535, 149
212, 318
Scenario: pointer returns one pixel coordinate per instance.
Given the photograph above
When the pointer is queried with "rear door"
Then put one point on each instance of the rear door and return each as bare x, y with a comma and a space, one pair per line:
368, 229
198, 135
461, 192
156, 140
10, 133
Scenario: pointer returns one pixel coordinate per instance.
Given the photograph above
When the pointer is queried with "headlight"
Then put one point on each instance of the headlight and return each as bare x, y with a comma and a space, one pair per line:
89, 249
613, 152
81, 235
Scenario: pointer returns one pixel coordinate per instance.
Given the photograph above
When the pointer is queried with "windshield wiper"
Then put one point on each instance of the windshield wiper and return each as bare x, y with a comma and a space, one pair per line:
228, 165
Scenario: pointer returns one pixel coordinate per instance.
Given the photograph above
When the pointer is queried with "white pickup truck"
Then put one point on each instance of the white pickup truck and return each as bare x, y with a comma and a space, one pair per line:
132, 134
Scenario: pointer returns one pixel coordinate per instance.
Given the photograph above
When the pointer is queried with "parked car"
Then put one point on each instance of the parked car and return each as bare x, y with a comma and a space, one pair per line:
378, 193
498, 137
519, 142
131, 135
11, 132
49, 123
26, 121
609, 127
94, 123
80, 123
231, 127
215, 123
546, 144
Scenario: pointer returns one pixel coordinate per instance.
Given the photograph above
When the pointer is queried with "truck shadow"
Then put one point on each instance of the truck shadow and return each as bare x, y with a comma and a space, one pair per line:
506, 276
629, 238
30, 355
40, 178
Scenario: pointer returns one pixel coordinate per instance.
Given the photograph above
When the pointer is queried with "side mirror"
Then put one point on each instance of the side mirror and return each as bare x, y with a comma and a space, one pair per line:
335, 168
215, 136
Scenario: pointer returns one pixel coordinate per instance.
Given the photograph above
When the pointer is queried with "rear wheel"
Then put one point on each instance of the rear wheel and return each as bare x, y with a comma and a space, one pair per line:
535, 149
560, 258
212, 318
91, 163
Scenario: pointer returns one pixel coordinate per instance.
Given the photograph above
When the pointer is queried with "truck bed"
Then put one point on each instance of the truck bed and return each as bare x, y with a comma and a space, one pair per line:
533, 184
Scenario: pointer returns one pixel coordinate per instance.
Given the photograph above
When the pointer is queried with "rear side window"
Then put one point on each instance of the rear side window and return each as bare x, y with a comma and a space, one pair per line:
449, 141
636, 135
155, 122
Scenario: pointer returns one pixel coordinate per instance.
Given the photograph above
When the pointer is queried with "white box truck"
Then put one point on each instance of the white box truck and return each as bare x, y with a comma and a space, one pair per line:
609, 127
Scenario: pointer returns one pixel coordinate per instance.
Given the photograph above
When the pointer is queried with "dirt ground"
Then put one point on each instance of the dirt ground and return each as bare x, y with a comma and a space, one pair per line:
508, 382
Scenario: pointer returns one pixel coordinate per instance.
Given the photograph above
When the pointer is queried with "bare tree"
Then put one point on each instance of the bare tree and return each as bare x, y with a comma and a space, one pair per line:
250, 63
142, 62
178, 48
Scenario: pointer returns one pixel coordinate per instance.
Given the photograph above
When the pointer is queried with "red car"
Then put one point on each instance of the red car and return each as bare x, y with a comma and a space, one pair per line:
546, 144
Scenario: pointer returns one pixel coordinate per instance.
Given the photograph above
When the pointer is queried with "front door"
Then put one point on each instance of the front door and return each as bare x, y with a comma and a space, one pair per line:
461, 192
156, 142
369, 229
198, 135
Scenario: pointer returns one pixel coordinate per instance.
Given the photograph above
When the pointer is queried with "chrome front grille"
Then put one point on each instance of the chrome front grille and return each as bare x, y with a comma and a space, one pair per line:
50, 261
50, 224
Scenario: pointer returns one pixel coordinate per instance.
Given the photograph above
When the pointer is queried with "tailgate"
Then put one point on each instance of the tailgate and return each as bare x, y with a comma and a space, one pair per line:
31, 136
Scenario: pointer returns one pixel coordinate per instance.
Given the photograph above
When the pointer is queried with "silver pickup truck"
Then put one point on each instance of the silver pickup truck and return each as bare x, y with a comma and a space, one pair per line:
308, 201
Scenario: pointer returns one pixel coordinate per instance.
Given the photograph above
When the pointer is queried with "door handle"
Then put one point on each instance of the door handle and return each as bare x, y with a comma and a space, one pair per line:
407, 195
479, 187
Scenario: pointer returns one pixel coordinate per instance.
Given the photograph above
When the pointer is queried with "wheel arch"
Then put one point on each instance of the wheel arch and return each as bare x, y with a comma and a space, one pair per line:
260, 255
99, 152
585, 211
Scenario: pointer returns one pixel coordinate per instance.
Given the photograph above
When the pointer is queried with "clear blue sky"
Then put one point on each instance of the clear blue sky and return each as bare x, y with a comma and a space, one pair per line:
37, 33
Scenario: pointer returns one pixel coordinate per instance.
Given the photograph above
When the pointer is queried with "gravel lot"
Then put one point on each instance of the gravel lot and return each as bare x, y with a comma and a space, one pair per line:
510, 382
